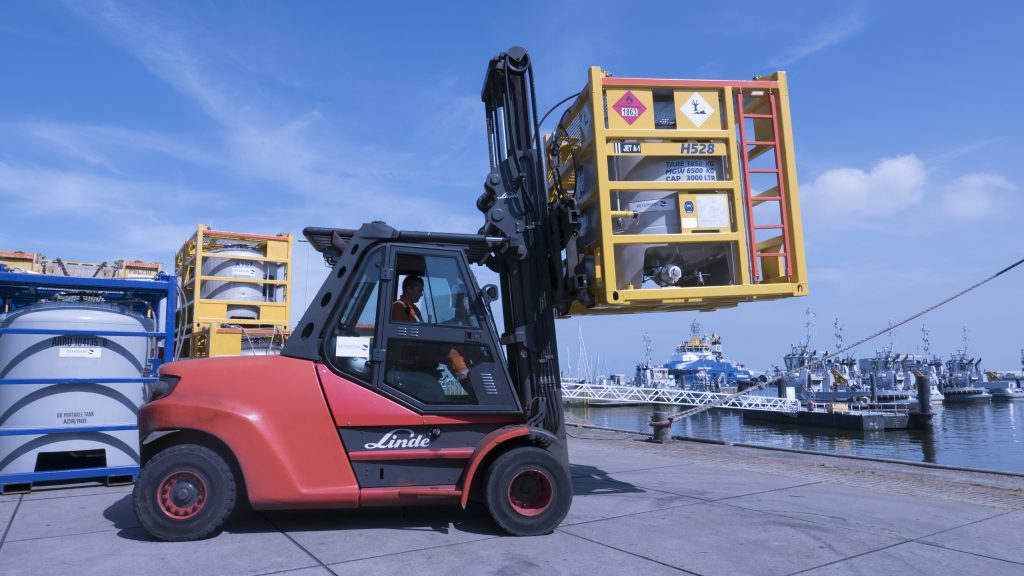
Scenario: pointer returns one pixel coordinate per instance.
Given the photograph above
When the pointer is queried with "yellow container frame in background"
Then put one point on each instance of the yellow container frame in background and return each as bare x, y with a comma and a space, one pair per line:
23, 261
695, 174
200, 312
211, 340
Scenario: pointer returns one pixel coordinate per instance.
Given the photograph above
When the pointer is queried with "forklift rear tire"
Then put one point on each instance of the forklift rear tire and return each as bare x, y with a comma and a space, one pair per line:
528, 491
186, 492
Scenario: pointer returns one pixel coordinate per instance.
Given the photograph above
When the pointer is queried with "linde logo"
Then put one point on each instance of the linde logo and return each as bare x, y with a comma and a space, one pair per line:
508, 196
401, 438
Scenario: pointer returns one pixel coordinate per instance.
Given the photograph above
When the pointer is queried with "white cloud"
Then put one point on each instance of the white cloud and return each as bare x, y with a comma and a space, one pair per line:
975, 196
31, 192
297, 152
893, 185
820, 40
96, 145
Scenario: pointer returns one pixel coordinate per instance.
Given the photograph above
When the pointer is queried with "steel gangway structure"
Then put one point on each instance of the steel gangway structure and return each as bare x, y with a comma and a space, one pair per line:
600, 393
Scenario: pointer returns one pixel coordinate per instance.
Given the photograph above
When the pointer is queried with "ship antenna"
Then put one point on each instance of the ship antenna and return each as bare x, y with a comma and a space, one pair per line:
891, 338
924, 338
839, 334
809, 324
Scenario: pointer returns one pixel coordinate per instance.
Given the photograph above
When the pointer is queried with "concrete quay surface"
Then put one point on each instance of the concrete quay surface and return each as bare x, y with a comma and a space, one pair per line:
638, 508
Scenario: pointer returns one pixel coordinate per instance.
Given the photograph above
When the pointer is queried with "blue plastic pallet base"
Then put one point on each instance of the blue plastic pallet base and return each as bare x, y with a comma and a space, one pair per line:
28, 478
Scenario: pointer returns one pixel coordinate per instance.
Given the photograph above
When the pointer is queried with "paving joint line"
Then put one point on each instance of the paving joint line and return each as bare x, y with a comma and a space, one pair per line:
419, 550
971, 523
634, 554
863, 530
381, 555
113, 529
840, 560
637, 513
7, 530
941, 547
291, 570
296, 543
767, 491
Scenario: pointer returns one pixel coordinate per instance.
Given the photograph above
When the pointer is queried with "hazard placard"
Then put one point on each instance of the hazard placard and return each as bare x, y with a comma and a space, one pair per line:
698, 110
629, 108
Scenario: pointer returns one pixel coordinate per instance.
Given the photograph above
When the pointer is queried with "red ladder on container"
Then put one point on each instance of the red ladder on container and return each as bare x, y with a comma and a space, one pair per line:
776, 246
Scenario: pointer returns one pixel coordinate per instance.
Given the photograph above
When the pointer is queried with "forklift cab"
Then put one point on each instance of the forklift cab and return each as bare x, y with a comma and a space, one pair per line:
443, 357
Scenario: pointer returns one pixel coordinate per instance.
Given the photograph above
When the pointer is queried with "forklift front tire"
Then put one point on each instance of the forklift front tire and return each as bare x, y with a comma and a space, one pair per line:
528, 491
186, 492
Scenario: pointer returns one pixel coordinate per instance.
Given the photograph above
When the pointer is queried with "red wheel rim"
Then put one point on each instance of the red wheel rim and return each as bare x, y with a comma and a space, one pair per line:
530, 492
181, 495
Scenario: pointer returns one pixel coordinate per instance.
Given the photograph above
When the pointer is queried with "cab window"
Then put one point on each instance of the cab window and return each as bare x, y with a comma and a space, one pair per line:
430, 290
351, 340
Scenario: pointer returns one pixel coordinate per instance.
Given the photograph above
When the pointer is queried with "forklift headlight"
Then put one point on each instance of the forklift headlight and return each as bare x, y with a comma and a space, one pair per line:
162, 387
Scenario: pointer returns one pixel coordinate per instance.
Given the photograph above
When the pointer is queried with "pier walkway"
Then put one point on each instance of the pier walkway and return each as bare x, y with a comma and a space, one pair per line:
602, 394
639, 508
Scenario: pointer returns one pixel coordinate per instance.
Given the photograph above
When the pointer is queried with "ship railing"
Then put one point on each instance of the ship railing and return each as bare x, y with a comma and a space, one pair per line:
675, 396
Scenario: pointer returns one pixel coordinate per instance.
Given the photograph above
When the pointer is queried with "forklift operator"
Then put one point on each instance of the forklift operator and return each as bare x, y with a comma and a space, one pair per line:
404, 309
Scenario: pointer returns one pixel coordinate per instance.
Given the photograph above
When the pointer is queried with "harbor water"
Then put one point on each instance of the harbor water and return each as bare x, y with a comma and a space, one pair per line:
989, 435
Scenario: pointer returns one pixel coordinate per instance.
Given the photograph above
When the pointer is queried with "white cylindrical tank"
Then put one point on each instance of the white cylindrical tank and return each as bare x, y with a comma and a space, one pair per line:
224, 266
71, 405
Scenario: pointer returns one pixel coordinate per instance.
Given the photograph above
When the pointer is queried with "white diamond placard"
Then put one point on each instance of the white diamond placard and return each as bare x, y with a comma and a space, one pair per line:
697, 109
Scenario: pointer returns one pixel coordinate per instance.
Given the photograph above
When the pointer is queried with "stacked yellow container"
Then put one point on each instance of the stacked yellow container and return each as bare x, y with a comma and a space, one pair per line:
236, 288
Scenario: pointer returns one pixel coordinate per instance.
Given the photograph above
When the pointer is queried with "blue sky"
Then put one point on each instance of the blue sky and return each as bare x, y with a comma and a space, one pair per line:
123, 125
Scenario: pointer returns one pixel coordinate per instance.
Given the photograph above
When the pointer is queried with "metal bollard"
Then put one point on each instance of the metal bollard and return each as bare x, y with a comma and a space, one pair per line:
874, 389
662, 427
924, 394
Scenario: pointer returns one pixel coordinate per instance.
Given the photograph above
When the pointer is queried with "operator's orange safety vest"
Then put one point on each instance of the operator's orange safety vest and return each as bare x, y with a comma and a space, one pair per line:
405, 311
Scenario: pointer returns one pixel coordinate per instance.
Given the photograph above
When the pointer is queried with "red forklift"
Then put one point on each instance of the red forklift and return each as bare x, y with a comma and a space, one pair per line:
367, 406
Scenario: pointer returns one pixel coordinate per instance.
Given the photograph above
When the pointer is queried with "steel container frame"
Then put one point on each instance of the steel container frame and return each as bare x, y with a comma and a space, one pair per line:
18, 290
752, 138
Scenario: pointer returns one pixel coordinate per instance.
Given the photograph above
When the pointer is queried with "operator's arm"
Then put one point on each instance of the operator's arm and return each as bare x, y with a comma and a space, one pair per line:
457, 364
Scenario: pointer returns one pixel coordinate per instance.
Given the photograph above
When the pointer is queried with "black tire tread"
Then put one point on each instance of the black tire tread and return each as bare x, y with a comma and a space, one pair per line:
498, 475
153, 520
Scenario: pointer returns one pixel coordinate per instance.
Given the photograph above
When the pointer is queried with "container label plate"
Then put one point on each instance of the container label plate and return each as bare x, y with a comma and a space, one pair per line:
243, 271
712, 211
657, 205
78, 352
691, 170
352, 347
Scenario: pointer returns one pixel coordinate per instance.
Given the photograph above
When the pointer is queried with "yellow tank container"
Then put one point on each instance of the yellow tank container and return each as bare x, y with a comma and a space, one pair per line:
235, 278
687, 193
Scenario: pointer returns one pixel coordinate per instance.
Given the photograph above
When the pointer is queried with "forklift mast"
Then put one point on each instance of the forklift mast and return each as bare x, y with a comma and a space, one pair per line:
516, 208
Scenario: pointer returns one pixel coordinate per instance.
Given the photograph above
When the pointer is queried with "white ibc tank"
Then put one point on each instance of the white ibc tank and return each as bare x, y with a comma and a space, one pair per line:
224, 266
68, 405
